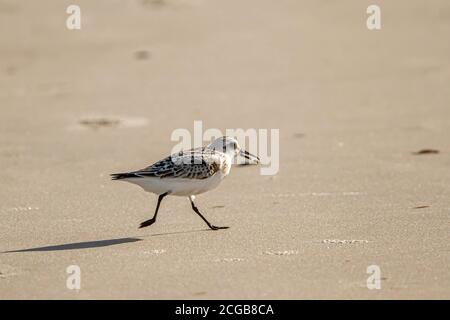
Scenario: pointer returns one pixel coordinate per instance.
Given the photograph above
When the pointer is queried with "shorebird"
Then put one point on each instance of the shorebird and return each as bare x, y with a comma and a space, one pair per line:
188, 173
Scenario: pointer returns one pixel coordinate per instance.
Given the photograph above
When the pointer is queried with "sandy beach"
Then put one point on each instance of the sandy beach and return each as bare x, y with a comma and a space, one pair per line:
352, 106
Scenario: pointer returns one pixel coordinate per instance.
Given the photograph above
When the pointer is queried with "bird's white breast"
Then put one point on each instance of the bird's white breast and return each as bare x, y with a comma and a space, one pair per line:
180, 186
185, 186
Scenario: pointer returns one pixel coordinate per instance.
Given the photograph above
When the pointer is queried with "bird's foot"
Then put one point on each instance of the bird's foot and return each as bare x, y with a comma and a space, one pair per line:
212, 227
147, 223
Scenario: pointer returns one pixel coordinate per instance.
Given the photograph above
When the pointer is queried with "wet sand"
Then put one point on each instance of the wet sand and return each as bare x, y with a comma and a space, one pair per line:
352, 106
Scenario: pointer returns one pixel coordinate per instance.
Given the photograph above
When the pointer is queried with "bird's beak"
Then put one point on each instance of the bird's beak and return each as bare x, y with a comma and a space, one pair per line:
247, 155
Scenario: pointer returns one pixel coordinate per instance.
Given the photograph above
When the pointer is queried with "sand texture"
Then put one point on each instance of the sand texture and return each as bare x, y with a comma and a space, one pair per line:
352, 107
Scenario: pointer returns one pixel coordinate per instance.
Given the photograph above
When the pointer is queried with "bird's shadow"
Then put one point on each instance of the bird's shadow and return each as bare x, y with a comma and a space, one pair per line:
79, 245
96, 243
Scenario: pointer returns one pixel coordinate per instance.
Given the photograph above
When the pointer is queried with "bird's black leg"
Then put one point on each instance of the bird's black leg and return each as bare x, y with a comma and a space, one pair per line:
212, 227
152, 220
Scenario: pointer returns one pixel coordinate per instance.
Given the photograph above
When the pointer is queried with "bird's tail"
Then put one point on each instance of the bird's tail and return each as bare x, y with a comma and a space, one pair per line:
119, 176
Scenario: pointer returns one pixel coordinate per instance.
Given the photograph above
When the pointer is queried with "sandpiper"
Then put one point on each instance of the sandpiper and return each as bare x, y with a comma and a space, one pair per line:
188, 173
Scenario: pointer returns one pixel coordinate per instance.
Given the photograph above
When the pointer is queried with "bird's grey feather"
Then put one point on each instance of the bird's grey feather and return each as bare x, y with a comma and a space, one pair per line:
200, 163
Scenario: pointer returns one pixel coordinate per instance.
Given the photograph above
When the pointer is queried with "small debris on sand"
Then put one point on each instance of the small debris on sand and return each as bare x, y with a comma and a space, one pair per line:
426, 151
421, 207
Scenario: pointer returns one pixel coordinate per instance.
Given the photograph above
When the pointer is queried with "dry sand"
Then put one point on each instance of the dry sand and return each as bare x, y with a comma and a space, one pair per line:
351, 105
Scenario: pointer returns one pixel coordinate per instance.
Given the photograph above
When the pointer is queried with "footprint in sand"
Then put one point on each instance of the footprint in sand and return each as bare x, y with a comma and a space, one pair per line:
281, 253
7, 271
229, 260
338, 241
164, 3
103, 122
22, 209
142, 55
155, 252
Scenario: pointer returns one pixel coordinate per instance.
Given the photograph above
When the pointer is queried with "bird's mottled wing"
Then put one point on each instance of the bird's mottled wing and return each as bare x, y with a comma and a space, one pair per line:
191, 164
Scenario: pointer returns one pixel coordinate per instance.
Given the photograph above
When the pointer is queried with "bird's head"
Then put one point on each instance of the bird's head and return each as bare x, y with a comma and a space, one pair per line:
231, 147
